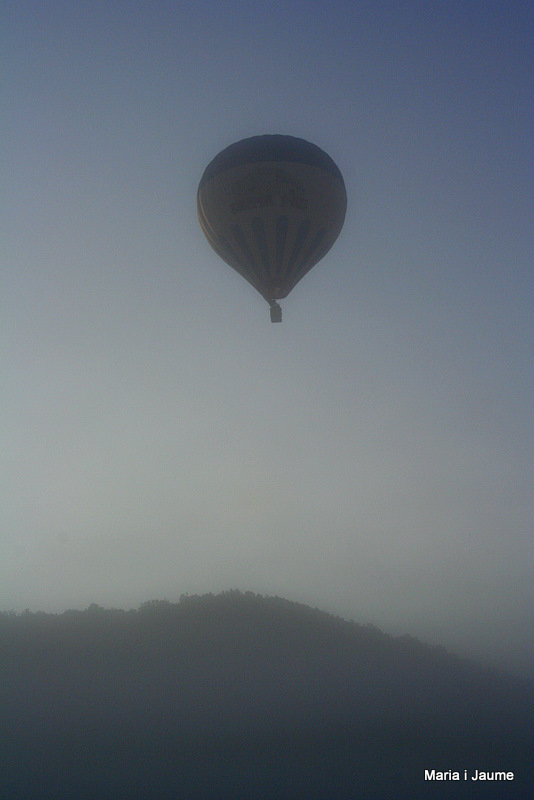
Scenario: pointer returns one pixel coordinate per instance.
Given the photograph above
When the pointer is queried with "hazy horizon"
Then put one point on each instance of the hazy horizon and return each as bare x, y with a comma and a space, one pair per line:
371, 455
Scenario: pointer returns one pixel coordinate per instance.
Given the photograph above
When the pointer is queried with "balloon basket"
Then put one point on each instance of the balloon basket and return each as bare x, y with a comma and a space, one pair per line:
276, 313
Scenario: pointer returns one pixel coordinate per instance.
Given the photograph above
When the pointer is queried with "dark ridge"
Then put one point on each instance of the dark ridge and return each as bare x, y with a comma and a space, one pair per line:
243, 696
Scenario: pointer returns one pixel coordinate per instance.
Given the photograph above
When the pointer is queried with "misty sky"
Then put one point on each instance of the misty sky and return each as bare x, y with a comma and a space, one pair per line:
372, 455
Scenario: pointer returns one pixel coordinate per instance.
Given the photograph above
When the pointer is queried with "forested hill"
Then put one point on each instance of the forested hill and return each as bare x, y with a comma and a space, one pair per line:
242, 696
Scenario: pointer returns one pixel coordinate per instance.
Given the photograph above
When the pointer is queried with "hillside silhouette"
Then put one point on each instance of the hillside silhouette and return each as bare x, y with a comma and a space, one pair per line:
243, 696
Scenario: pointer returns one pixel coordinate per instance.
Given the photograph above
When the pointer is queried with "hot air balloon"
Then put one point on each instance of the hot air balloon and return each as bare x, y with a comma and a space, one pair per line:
272, 207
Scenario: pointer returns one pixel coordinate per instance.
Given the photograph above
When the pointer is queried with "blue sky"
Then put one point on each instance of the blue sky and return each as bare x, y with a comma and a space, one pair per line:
372, 455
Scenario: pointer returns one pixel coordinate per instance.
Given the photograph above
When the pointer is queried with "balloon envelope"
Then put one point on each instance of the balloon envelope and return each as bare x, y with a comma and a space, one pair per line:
272, 207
